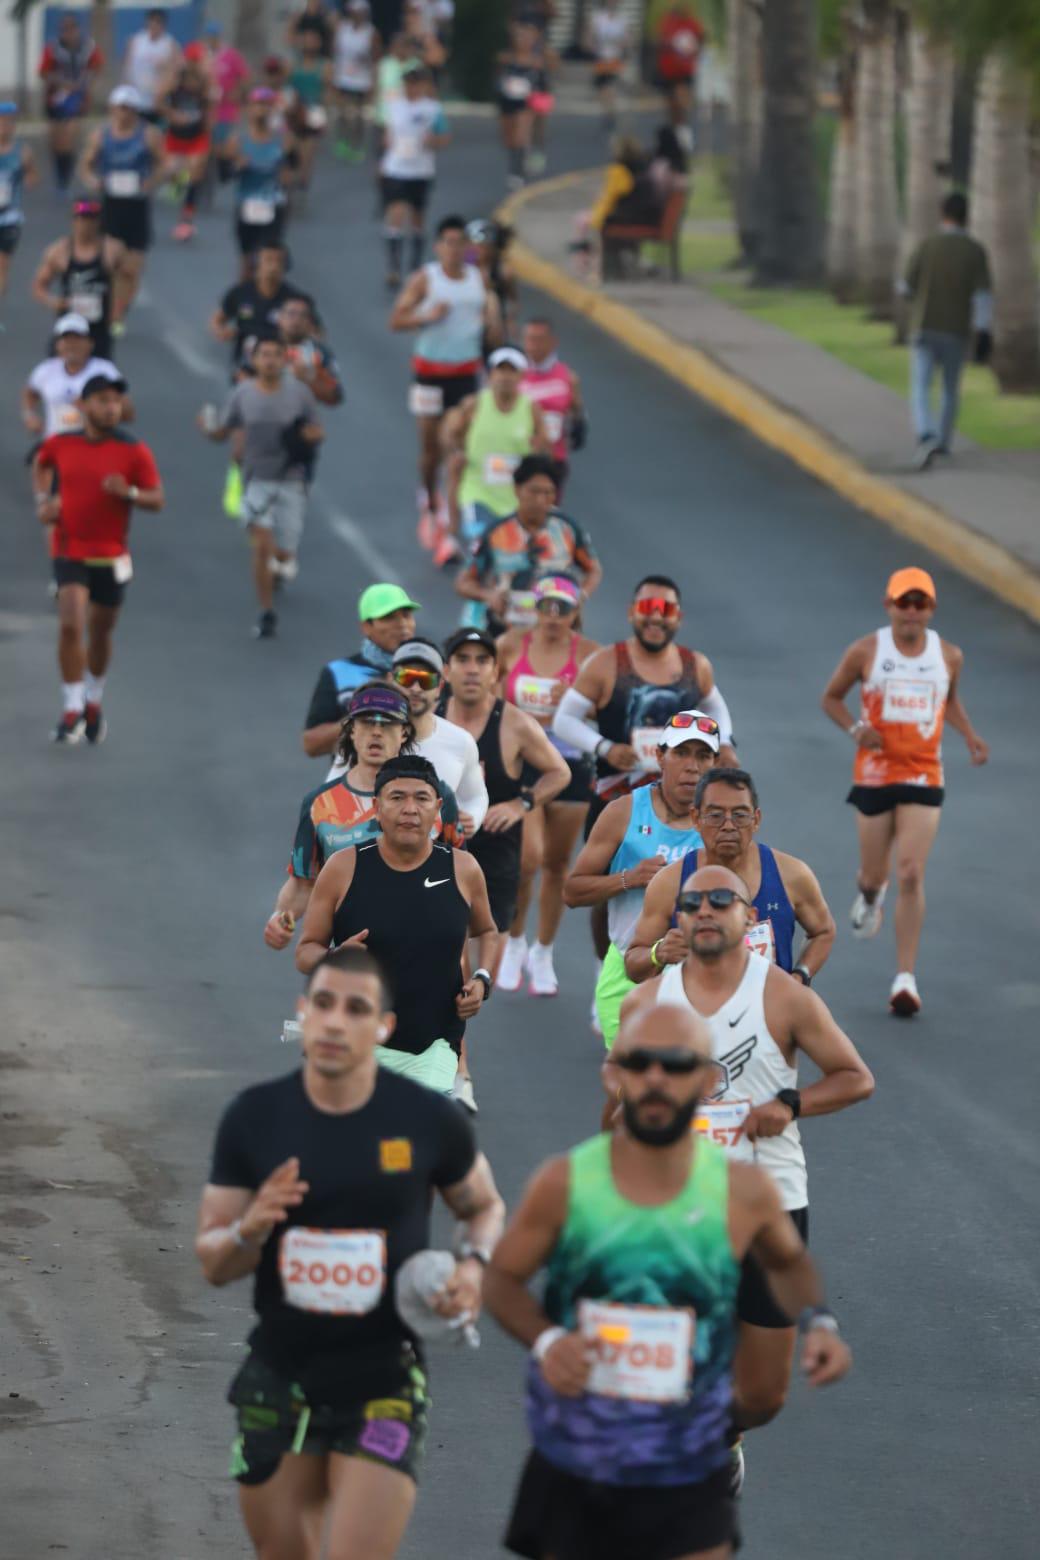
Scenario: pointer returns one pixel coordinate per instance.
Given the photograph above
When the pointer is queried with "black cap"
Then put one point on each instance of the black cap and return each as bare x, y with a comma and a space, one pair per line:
98, 382
407, 766
469, 636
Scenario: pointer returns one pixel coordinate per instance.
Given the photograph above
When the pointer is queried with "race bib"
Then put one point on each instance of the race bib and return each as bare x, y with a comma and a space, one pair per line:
723, 1122
87, 304
760, 939
316, 118
641, 1352
553, 426
333, 1272
537, 695
123, 182
70, 417
122, 569
498, 469
425, 400
6, 191
257, 212
521, 611
645, 740
908, 701
516, 87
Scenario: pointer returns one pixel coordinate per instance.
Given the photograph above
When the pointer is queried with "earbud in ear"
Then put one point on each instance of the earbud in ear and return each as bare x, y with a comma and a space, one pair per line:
382, 1032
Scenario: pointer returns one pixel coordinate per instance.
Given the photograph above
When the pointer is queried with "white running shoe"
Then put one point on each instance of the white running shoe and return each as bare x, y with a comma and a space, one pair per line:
904, 999
462, 1090
736, 1468
540, 972
597, 1027
512, 965
865, 917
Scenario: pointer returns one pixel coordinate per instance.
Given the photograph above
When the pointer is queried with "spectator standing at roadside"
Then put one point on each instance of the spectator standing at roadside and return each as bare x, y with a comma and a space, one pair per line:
679, 39
947, 281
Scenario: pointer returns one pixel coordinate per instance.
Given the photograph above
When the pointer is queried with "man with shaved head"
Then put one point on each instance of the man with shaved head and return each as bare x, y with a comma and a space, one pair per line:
629, 1376
758, 1019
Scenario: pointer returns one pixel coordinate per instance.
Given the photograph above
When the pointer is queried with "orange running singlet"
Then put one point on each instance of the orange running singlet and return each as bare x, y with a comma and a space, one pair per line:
904, 697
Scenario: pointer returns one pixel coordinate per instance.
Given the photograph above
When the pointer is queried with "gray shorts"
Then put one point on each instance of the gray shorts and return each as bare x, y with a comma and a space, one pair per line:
278, 507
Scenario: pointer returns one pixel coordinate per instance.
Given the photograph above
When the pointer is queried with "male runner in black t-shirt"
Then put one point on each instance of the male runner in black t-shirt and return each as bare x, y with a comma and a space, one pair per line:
321, 1187
249, 308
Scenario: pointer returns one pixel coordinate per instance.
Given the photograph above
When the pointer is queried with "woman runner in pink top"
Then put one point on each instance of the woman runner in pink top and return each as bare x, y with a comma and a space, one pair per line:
536, 666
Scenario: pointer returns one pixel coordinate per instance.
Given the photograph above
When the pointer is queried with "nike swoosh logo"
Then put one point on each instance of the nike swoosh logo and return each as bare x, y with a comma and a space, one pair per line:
735, 1021
695, 1216
436, 883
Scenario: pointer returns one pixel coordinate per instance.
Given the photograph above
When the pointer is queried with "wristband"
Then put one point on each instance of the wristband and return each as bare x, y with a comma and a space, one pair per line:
545, 1340
654, 960
854, 730
467, 1250
133, 493
485, 976
234, 1229
624, 881
818, 1318
604, 742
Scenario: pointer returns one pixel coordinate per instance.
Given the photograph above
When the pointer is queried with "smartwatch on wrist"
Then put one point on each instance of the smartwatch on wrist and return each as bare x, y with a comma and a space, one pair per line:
803, 974
818, 1316
485, 976
527, 800
793, 1100
479, 1254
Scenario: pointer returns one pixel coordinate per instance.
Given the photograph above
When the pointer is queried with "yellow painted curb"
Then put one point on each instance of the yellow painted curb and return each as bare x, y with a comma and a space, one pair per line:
981, 560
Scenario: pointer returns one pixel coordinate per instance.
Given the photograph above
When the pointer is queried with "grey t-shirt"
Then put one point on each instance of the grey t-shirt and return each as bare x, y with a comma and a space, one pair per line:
265, 415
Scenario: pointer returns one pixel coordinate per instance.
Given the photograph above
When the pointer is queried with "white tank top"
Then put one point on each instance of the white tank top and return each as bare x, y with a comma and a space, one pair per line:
147, 61
754, 1071
609, 34
353, 49
457, 338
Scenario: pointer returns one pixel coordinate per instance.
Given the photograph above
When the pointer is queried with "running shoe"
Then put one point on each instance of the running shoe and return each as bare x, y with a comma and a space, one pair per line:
736, 1468
866, 917
183, 231
70, 728
513, 964
446, 550
926, 451
117, 329
96, 727
266, 626
904, 998
426, 530
597, 1027
541, 975
462, 1091
536, 162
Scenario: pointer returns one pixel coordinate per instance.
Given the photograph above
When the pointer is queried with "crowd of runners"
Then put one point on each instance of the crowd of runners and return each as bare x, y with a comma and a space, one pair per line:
473, 788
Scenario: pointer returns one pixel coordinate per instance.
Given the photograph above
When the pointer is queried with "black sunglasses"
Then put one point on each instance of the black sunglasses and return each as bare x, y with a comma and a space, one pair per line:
718, 899
642, 1058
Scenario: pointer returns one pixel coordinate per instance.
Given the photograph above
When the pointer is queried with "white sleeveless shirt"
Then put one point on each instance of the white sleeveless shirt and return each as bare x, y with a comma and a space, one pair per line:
352, 50
458, 337
754, 1071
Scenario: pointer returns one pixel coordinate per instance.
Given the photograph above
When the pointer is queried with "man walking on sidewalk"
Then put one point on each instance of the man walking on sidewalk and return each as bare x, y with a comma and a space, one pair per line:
948, 283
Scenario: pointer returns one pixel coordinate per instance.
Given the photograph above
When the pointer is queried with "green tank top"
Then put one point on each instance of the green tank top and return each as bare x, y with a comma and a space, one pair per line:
675, 1259
495, 445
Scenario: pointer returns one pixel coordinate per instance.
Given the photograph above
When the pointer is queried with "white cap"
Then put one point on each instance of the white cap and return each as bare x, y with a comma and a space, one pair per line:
72, 325
691, 726
125, 97
511, 355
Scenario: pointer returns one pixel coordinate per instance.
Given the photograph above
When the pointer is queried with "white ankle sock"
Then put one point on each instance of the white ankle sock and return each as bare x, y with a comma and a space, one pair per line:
72, 697
93, 688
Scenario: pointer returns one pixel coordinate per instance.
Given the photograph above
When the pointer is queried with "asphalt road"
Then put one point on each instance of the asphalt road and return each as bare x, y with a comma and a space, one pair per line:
138, 996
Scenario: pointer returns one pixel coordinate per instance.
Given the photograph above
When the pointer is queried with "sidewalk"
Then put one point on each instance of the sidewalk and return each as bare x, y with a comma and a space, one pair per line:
980, 510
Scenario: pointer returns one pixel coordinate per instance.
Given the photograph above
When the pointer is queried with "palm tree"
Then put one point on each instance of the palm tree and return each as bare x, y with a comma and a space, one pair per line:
841, 204
790, 247
877, 198
743, 39
1002, 209
929, 124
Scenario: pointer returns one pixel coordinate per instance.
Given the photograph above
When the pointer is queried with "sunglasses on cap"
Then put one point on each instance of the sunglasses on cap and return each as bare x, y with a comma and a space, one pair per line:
641, 1058
718, 899
425, 677
915, 599
651, 606
685, 720
373, 718
86, 208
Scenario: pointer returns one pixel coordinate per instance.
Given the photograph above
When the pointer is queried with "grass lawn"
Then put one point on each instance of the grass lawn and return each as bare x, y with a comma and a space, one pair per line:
993, 420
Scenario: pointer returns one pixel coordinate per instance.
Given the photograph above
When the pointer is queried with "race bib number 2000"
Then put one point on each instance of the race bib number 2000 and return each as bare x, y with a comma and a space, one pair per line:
333, 1272
642, 1352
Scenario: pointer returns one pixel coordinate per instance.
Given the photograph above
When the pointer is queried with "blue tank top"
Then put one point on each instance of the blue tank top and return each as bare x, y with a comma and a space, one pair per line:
11, 172
259, 180
645, 836
125, 155
773, 932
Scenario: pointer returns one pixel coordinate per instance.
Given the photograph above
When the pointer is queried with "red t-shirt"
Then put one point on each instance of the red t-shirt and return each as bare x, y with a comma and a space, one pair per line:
679, 40
93, 523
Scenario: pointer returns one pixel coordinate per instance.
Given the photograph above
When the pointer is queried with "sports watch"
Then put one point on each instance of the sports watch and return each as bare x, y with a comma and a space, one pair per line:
485, 976
793, 1100
804, 975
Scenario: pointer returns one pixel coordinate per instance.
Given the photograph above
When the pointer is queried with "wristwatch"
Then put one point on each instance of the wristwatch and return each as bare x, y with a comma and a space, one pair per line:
818, 1316
803, 974
479, 1254
527, 798
133, 493
793, 1100
485, 976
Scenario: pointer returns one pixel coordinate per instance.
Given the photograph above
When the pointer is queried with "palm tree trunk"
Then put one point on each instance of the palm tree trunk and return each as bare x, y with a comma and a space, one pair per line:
743, 37
929, 119
1002, 218
251, 28
877, 203
791, 233
841, 204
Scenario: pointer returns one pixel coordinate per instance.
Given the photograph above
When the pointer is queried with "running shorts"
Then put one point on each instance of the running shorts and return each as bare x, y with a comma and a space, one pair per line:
10, 233
569, 1518
755, 1303
278, 507
255, 235
454, 388
274, 1417
129, 220
434, 1068
99, 578
612, 988
579, 787
408, 192
70, 106
872, 800
194, 146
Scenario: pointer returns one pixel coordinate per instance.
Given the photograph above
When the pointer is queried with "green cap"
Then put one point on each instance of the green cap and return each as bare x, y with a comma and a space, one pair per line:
380, 600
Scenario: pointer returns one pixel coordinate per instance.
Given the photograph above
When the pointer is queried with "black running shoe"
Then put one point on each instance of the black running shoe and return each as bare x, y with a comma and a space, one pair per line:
70, 728
266, 626
96, 729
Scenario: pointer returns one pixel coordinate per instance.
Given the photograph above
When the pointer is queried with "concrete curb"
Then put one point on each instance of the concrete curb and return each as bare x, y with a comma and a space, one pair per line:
977, 557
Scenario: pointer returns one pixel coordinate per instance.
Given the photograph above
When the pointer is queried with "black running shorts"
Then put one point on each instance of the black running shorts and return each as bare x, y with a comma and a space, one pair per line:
755, 1303
872, 800
129, 220
99, 578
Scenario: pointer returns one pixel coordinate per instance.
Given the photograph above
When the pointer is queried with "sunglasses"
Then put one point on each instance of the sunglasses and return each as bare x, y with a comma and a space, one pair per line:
684, 721
555, 606
642, 1058
365, 719
718, 899
656, 606
425, 677
916, 599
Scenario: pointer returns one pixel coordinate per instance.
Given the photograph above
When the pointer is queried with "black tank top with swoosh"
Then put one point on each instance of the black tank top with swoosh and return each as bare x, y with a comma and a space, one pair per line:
417, 923
498, 854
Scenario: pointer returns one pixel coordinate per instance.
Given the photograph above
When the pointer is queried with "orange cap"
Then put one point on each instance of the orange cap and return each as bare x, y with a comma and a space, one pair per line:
909, 579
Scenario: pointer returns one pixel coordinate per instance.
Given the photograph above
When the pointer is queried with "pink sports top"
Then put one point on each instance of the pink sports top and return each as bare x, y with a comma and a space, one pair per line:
539, 696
